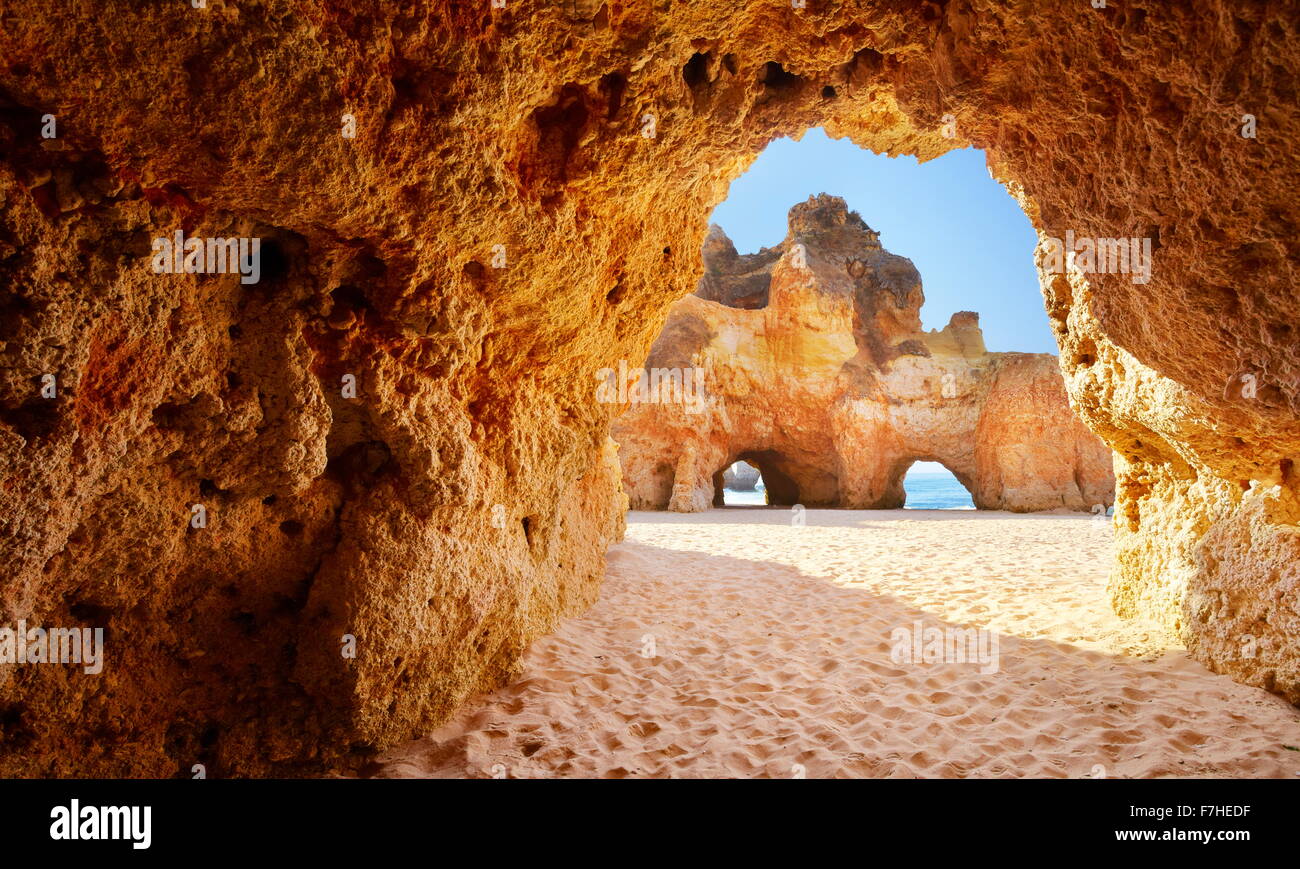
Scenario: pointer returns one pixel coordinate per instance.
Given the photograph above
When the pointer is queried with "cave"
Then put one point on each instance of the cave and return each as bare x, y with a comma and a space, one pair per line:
780, 488
745, 483
469, 212
926, 489
838, 387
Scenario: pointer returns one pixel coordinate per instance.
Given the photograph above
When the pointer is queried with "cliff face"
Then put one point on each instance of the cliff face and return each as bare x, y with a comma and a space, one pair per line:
471, 210
832, 389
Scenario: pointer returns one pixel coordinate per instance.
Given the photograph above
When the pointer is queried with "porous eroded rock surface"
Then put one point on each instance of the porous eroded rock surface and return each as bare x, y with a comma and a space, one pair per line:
831, 388
523, 201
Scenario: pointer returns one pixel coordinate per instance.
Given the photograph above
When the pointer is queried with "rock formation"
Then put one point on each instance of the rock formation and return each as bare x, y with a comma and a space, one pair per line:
471, 209
817, 371
741, 477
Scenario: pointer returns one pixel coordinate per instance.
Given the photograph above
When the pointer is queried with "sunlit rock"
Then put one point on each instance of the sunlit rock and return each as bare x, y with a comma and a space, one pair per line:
473, 208
832, 389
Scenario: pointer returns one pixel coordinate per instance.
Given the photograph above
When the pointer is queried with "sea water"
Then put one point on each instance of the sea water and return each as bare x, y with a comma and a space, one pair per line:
929, 491
925, 491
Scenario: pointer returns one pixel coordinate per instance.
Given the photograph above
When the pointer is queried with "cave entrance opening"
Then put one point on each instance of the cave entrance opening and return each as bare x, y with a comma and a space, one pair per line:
755, 479
828, 362
963, 231
929, 485
740, 484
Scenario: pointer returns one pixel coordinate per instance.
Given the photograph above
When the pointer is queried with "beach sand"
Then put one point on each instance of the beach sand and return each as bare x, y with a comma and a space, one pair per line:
772, 658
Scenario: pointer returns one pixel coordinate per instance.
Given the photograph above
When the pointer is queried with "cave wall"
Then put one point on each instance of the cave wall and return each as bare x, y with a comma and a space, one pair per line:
524, 198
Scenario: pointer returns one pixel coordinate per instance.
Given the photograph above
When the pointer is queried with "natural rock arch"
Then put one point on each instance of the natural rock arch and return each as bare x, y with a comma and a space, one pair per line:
904, 465
834, 388
783, 488
502, 226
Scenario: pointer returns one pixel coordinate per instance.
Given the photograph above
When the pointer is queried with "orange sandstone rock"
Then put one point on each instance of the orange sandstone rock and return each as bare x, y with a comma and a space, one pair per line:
520, 202
832, 390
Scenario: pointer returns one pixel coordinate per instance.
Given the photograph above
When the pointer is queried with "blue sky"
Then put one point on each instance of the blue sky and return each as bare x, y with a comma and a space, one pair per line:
961, 229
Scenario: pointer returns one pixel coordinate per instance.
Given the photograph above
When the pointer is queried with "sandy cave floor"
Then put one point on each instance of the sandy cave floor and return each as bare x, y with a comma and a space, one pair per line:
772, 659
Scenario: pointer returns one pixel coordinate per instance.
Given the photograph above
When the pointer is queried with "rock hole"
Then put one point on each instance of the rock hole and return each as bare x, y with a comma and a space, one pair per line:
15, 313
90, 612
776, 79
475, 275
696, 71
559, 129
274, 262
350, 297
90, 615
15, 732
167, 415
361, 462
209, 489
867, 60
612, 87
291, 527
1086, 355
33, 420
347, 304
